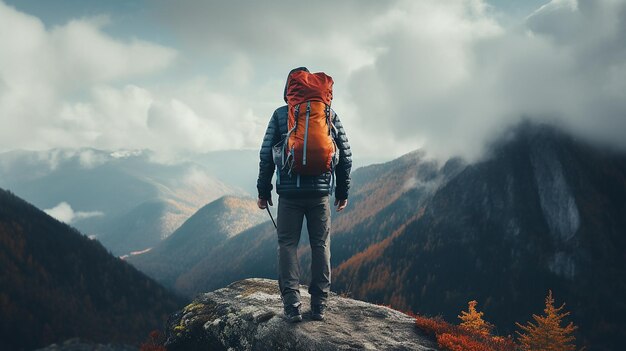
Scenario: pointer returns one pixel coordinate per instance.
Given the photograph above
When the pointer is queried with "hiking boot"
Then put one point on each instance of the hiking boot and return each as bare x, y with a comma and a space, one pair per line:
292, 313
317, 312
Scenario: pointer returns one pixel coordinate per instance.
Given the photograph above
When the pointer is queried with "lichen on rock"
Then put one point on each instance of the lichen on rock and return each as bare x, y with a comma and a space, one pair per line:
248, 315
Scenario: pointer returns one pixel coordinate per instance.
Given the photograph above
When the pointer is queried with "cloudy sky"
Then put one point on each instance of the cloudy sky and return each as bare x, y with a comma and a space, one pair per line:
195, 76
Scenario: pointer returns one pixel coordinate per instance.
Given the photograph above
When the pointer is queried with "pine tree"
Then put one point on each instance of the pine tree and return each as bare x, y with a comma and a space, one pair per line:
473, 320
548, 334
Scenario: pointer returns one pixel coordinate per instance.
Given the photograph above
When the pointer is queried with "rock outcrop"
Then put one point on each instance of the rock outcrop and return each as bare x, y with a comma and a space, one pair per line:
248, 315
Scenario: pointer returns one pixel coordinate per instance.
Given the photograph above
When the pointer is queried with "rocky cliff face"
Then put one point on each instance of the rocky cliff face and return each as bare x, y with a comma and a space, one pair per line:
247, 315
544, 211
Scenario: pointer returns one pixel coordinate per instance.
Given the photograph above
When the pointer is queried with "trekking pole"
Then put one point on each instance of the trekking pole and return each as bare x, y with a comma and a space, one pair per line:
268, 211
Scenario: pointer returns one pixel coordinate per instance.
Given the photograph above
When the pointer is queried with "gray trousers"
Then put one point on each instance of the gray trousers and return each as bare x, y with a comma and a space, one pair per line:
291, 213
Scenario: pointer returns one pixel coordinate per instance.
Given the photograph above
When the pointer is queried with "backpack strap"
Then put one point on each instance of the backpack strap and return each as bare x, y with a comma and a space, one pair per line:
306, 131
327, 113
289, 159
332, 173
331, 117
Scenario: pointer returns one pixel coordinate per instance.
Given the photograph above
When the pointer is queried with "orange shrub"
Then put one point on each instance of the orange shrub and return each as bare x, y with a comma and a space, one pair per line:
455, 342
455, 338
154, 342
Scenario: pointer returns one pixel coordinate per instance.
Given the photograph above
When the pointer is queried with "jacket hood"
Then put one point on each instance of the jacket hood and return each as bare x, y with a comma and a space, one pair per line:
289, 75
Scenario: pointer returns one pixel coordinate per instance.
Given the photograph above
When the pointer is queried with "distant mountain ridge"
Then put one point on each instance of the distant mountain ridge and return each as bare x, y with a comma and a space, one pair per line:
142, 227
377, 195
58, 284
198, 237
384, 197
140, 201
252, 253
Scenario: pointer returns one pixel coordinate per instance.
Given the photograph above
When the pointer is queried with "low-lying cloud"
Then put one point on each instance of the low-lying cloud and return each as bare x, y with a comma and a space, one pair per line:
64, 213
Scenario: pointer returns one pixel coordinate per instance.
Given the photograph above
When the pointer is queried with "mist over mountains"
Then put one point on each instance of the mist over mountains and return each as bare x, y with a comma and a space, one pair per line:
124, 198
177, 79
543, 210
489, 137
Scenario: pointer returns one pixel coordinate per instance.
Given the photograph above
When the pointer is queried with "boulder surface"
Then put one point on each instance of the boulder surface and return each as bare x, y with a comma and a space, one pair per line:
248, 315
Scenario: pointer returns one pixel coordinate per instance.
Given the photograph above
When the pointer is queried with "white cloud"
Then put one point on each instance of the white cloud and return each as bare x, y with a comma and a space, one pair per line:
86, 158
453, 77
68, 87
43, 69
443, 75
64, 213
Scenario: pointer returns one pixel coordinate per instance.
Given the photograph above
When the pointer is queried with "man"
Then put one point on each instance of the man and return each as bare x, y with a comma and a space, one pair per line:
302, 195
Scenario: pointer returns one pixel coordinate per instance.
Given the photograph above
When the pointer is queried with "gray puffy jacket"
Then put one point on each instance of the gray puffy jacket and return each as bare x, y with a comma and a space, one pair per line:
309, 186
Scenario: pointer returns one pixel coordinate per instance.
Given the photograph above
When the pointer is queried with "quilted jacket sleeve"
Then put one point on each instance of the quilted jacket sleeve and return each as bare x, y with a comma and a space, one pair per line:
266, 163
342, 170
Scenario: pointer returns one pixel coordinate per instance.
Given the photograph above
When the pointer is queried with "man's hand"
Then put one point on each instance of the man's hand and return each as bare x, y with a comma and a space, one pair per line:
262, 203
341, 204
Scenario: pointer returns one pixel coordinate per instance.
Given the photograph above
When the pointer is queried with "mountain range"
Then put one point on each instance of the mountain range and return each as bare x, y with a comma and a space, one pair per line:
542, 210
406, 183
125, 199
199, 237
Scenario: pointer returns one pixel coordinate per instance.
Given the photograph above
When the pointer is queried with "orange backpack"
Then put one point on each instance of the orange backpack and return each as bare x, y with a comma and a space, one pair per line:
309, 147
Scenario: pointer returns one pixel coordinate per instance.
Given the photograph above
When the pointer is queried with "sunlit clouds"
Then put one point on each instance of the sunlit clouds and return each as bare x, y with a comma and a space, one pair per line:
443, 75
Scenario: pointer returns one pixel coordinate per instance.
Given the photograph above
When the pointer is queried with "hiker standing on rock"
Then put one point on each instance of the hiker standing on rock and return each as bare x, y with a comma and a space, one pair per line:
307, 146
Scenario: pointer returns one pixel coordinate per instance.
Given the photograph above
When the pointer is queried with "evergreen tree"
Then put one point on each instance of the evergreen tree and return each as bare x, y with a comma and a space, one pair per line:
547, 334
473, 320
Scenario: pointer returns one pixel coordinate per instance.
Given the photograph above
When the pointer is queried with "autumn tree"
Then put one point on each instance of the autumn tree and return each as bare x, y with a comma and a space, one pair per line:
473, 320
547, 334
